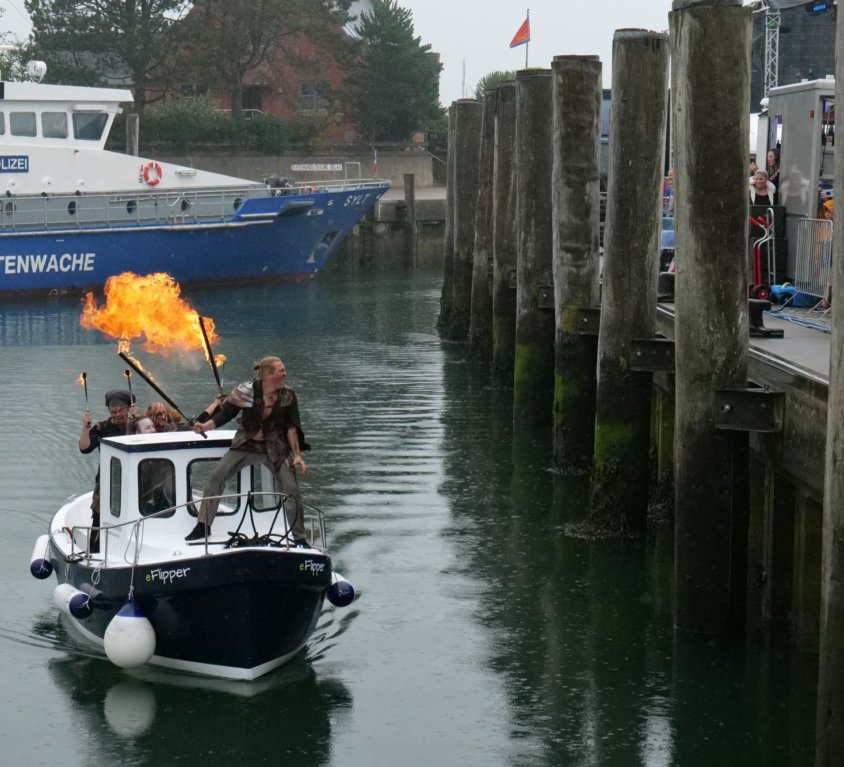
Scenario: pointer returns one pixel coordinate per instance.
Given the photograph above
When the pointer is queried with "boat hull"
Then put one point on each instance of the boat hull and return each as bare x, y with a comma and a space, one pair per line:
276, 237
234, 614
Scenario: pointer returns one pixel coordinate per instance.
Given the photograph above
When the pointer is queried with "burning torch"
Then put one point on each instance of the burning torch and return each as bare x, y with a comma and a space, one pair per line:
83, 379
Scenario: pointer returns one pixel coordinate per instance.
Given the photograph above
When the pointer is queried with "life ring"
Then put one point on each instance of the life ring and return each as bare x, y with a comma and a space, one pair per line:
152, 173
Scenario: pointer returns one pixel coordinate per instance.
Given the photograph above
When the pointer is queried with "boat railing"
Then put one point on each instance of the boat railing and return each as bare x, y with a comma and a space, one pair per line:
331, 185
26, 213
278, 534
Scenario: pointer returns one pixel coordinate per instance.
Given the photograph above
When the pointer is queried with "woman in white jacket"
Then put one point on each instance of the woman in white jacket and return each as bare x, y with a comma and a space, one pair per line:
762, 191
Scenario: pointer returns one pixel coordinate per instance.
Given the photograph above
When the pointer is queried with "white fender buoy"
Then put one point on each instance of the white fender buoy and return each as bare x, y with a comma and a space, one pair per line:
72, 601
340, 593
129, 708
39, 563
129, 639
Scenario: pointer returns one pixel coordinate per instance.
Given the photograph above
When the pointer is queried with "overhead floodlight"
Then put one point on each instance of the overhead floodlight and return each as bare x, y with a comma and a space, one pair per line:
35, 71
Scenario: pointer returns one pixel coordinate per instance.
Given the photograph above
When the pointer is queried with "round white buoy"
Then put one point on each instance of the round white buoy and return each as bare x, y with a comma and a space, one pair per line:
129, 708
129, 640
39, 565
340, 593
72, 601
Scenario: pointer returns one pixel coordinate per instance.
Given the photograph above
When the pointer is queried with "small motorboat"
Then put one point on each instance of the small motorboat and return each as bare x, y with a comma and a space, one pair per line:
235, 605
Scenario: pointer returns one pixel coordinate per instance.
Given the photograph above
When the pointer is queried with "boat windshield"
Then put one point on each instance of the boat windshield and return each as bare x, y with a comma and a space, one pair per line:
156, 486
89, 126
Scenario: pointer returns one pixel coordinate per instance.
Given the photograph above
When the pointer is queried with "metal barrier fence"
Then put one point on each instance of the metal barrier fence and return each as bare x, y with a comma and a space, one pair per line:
814, 259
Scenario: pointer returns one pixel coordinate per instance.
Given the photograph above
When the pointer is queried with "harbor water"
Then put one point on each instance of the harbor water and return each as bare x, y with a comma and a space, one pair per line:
482, 636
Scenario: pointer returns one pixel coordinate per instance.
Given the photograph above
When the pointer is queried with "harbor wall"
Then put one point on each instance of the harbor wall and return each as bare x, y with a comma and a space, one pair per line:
386, 231
392, 165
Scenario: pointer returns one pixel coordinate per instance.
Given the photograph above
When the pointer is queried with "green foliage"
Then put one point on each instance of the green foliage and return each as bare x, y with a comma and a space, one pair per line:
437, 129
84, 40
491, 81
393, 87
223, 41
185, 124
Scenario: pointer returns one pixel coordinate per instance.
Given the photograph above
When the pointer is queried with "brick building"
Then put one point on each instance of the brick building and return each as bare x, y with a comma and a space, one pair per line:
279, 88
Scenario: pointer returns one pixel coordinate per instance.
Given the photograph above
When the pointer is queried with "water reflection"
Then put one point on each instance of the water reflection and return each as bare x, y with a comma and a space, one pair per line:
155, 718
581, 632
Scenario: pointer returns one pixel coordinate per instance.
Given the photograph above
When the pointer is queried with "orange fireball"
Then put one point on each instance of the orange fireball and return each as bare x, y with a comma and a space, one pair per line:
148, 309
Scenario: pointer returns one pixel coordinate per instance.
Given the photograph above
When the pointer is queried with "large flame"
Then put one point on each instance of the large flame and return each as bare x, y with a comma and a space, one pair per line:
83, 377
148, 309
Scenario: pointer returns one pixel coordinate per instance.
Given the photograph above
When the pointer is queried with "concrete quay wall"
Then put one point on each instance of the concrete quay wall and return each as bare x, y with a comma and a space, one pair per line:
327, 166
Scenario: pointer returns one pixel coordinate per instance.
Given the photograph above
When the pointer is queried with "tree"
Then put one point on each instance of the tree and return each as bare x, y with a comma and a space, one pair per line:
491, 81
83, 40
393, 87
225, 40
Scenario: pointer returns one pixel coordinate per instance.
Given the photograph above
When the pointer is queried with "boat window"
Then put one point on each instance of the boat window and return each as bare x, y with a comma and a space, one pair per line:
2, 123
89, 126
54, 125
22, 123
264, 489
199, 472
156, 486
115, 485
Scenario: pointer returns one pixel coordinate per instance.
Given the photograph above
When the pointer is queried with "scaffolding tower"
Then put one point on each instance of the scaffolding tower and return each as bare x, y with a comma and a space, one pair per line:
773, 17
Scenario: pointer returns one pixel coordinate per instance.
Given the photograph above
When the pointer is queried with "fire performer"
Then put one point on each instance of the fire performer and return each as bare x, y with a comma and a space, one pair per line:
268, 432
122, 412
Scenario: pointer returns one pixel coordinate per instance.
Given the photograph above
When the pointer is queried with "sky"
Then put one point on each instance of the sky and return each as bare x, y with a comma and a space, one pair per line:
473, 37
476, 34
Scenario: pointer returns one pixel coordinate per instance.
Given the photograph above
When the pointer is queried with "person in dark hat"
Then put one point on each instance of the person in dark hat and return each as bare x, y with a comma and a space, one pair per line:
122, 413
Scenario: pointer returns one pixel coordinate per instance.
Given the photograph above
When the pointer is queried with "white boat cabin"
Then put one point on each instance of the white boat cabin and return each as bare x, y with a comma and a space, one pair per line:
158, 479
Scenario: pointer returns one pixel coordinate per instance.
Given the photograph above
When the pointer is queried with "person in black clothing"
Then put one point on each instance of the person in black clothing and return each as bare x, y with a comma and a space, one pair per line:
122, 412
773, 167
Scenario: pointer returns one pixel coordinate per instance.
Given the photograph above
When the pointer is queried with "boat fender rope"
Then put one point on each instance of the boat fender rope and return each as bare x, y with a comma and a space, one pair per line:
152, 173
95, 575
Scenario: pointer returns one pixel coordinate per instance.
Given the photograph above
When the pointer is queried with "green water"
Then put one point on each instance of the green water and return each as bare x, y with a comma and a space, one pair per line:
482, 635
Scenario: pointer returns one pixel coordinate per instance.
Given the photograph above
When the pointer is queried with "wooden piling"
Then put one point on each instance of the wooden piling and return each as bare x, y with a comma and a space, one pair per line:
533, 374
504, 237
132, 133
467, 144
480, 321
576, 228
830, 713
620, 470
410, 233
710, 59
447, 294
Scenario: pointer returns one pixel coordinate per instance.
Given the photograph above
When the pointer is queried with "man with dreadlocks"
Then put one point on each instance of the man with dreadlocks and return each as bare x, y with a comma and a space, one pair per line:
268, 432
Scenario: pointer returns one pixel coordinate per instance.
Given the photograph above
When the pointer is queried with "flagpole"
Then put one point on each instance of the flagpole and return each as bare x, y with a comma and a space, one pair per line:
527, 44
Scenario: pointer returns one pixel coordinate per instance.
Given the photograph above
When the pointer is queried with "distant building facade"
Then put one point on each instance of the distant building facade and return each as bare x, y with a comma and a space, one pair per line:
278, 87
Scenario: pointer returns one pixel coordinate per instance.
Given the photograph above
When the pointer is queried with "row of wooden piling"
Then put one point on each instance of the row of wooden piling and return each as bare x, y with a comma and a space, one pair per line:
524, 282
524, 169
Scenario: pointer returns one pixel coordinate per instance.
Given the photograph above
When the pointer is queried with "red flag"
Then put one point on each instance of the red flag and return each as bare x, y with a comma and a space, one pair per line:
523, 35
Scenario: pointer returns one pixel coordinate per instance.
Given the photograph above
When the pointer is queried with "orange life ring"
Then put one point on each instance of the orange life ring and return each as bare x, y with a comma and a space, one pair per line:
152, 173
